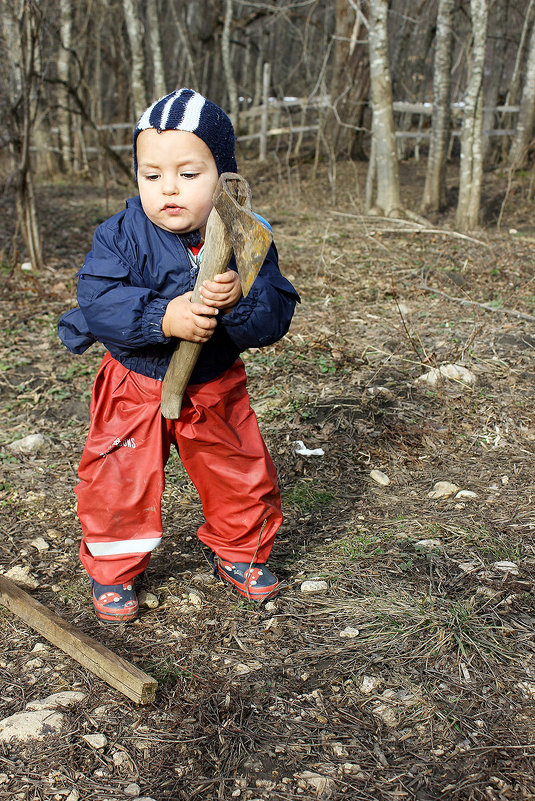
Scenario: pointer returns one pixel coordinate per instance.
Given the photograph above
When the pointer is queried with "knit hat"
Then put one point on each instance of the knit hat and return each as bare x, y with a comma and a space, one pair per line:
186, 110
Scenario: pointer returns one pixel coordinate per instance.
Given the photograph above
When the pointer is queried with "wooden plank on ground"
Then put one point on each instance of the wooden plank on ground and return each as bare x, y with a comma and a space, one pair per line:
113, 669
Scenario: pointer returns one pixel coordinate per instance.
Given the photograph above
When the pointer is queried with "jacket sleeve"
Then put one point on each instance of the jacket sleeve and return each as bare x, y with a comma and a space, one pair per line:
264, 316
118, 310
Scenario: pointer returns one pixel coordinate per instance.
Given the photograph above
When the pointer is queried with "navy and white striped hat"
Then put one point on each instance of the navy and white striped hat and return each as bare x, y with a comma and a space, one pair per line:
186, 110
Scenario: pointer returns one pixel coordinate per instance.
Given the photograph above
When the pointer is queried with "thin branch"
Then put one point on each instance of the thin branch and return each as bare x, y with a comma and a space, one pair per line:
485, 306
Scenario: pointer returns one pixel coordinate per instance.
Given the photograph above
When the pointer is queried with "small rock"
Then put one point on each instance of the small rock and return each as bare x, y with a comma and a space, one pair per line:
383, 391
204, 578
26, 266
242, 669
40, 543
468, 567
33, 664
428, 545
22, 577
349, 632
195, 598
324, 786
369, 684
148, 600
31, 725
312, 586
39, 647
380, 478
443, 489
65, 698
270, 606
466, 494
506, 567
459, 373
452, 372
387, 715
4, 778
527, 688
351, 768
270, 624
102, 773
339, 750
100, 711
33, 443
122, 761
431, 378
132, 789
74, 795
96, 741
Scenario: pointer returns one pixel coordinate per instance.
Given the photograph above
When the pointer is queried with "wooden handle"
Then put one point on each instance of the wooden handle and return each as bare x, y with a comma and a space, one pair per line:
216, 256
115, 671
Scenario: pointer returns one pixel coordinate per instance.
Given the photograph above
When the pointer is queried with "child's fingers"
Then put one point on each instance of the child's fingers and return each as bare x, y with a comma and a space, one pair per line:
201, 309
228, 277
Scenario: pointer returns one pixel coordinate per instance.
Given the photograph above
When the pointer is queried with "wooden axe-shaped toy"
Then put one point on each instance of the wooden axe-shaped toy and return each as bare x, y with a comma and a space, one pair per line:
231, 226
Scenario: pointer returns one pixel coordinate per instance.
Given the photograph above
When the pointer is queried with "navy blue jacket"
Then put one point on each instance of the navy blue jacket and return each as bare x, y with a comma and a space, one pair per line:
132, 272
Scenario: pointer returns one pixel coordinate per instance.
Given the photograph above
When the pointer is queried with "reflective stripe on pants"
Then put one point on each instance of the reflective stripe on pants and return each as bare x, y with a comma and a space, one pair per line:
122, 471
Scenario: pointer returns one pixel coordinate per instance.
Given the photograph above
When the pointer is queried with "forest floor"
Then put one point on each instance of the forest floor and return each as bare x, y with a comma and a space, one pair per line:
412, 675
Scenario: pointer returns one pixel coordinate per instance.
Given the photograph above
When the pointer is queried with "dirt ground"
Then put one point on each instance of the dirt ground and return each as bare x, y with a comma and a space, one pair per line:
412, 674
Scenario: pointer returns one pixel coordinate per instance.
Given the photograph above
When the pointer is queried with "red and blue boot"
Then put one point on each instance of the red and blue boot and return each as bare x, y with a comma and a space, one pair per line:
115, 603
254, 581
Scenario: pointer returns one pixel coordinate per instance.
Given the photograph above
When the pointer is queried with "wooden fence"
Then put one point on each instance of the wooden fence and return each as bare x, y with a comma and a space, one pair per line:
294, 117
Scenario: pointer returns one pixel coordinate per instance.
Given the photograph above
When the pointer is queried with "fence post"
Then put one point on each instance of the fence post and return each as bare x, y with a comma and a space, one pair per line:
266, 81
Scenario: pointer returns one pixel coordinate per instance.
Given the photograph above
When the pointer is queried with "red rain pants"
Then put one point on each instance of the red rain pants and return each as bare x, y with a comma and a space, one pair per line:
122, 471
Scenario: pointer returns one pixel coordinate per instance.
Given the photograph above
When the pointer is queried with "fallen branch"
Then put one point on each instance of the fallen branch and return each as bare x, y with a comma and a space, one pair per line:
486, 306
416, 229
113, 669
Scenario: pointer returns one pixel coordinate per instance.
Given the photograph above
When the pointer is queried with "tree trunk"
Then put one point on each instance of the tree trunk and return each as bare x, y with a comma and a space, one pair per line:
137, 58
384, 140
434, 197
471, 171
526, 117
19, 29
230, 81
63, 61
185, 48
513, 91
350, 81
158, 72
495, 62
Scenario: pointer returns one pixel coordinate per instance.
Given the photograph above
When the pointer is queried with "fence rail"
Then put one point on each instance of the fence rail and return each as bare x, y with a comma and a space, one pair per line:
279, 113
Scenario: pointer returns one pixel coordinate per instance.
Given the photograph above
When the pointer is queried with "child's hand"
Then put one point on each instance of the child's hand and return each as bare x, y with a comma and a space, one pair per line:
194, 322
223, 292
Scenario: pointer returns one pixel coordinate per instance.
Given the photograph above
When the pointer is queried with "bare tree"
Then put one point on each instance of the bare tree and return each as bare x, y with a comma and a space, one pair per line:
137, 59
513, 91
230, 80
471, 171
158, 72
20, 29
526, 118
434, 197
63, 65
383, 165
350, 80
495, 61
190, 70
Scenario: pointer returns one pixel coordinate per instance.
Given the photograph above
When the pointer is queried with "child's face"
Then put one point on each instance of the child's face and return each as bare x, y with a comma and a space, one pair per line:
176, 176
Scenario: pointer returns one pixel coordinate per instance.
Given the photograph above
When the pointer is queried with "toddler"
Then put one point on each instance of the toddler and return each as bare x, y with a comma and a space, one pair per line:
134, 296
